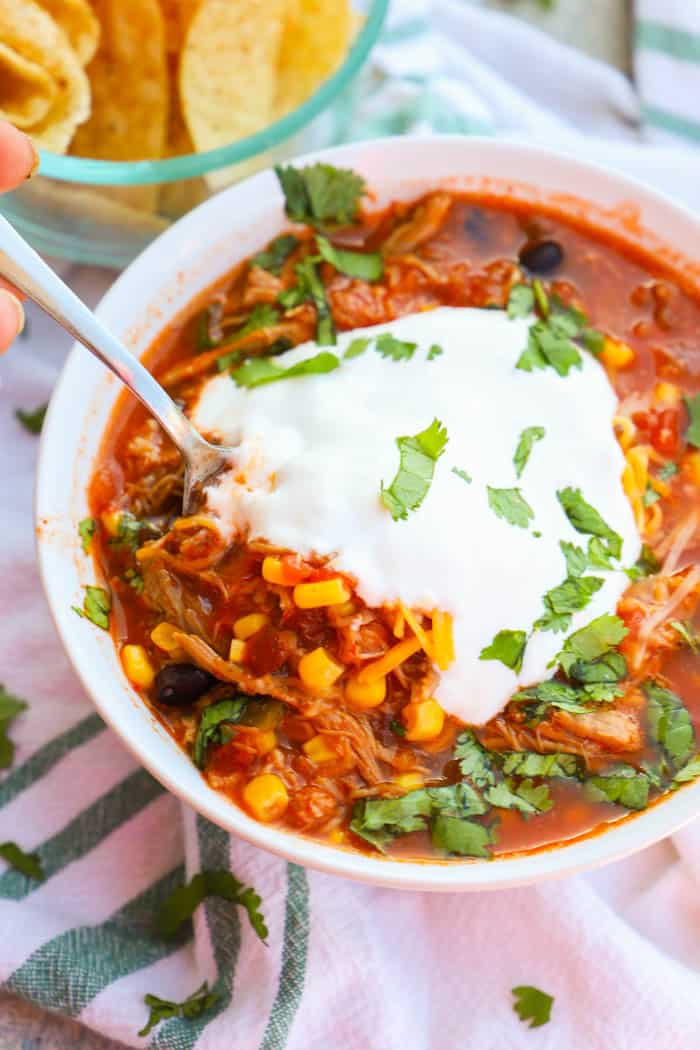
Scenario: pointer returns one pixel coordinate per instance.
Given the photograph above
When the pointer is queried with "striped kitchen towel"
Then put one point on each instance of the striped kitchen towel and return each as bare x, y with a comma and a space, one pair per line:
344, 966
667, 69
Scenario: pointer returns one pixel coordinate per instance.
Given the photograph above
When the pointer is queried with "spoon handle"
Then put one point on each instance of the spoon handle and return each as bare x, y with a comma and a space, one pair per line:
26, 270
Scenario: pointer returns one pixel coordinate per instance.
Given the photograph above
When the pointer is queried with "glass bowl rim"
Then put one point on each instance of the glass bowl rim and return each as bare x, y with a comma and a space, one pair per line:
190, 165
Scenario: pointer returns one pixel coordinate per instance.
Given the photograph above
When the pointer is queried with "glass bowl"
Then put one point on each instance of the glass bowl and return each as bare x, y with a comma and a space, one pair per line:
105, 212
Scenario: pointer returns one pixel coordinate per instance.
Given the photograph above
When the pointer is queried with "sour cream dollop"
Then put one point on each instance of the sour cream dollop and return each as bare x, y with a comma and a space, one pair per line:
313, 452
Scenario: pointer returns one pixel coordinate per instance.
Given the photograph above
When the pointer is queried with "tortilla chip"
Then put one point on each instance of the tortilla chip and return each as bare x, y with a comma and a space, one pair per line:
76, 19
27, 29
228, 69
128, 77
26, 90
316, 38
178, 15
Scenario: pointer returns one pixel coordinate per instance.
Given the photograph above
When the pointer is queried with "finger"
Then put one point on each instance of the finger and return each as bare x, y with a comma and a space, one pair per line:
11, 318
6, 284
18, 158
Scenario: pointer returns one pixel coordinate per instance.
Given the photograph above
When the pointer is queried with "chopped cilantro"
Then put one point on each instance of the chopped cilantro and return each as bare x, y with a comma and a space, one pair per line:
32, 421
163, 1009
130, 530
526, 442
669, 724
623, 786
540, 297
462, 474
435, 351
418, 456
397, 727
532, 764
587, 520
575, 557
366, 266
463, 837
532, 1005
592, 642
263, 315
562, 601
524, 797
687, 632
389, 346
548, 347
552, 694
599, 556
10, 707
321, 195
647, 564
258, 371
135, 580
28, 863
97, 605
593, 340
210, 724
650, 496
356, 347
668, 471
475, 762
690, 771
521, 301
692, 434
309, 287
276, 254
183, 901
510, 505
508, 647
86, 530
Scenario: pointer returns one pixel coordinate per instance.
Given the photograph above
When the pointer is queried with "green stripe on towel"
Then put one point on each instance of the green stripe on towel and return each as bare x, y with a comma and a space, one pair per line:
671, 122
667, 40
43, 760
86, 831
294, 956
68, 972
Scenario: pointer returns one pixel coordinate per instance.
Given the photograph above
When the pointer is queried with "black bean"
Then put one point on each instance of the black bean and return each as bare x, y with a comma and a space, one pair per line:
542, 258
180, 684
476, 225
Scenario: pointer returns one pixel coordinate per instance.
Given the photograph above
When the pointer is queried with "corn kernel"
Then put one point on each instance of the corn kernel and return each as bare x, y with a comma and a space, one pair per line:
164, 636
336, 836
247, 626
110, 520
409, 781
265, 741
691, 463
137, 666
616, 355
318, 670
319, 750
667, 393
276, 570
324, 592
236, 653
365, 694
423, 721
443, 641
266, 797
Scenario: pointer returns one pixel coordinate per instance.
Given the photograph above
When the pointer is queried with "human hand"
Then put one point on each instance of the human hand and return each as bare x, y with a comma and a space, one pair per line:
18, 159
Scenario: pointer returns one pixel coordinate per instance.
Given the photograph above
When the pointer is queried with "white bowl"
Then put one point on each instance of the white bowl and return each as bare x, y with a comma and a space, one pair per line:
181, 262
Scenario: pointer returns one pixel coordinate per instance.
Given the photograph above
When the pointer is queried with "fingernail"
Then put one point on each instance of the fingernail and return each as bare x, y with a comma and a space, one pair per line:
16, 304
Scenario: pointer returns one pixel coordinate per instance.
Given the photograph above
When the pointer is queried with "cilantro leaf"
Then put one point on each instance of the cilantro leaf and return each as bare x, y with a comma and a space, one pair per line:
562, 601
462, 474
184, 900
276, 254
210, 723
521, 301
532, 1005
130, 530
533, 764
647, 564
135, 580
435, 351
541, 298
10, 707
356, 347
417, 458
532, 357
669, 724
552, 694
508, 647
593, 340
547, 347
526, 442
687, 632
587, 520
86, 530
310, 287
668, 471
32, 421
193, 1006
623, 786
690, 771
378, 821
28, 863
598, 555
366, 266
258, 371
97, 605
575, 557
475, 762
320, 195
650, 496
525, 797
463, 837
510, 505
263, 315
593, 641
692, 434
395, 349
397, 727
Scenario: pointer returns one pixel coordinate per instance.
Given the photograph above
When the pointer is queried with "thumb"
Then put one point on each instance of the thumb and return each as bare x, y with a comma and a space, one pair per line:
11, 318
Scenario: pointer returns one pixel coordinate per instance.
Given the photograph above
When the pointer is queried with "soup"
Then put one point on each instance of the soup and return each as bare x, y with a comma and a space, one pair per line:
442, 604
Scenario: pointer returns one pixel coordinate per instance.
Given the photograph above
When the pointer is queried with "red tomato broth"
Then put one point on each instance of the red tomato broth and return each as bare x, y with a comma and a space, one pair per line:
469, 261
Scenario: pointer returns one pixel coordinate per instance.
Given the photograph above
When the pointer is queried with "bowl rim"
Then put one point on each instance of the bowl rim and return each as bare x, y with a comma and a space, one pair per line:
611, 843
90, 172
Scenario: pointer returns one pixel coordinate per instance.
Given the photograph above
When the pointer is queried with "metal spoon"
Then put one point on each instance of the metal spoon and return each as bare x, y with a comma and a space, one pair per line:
21, 265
